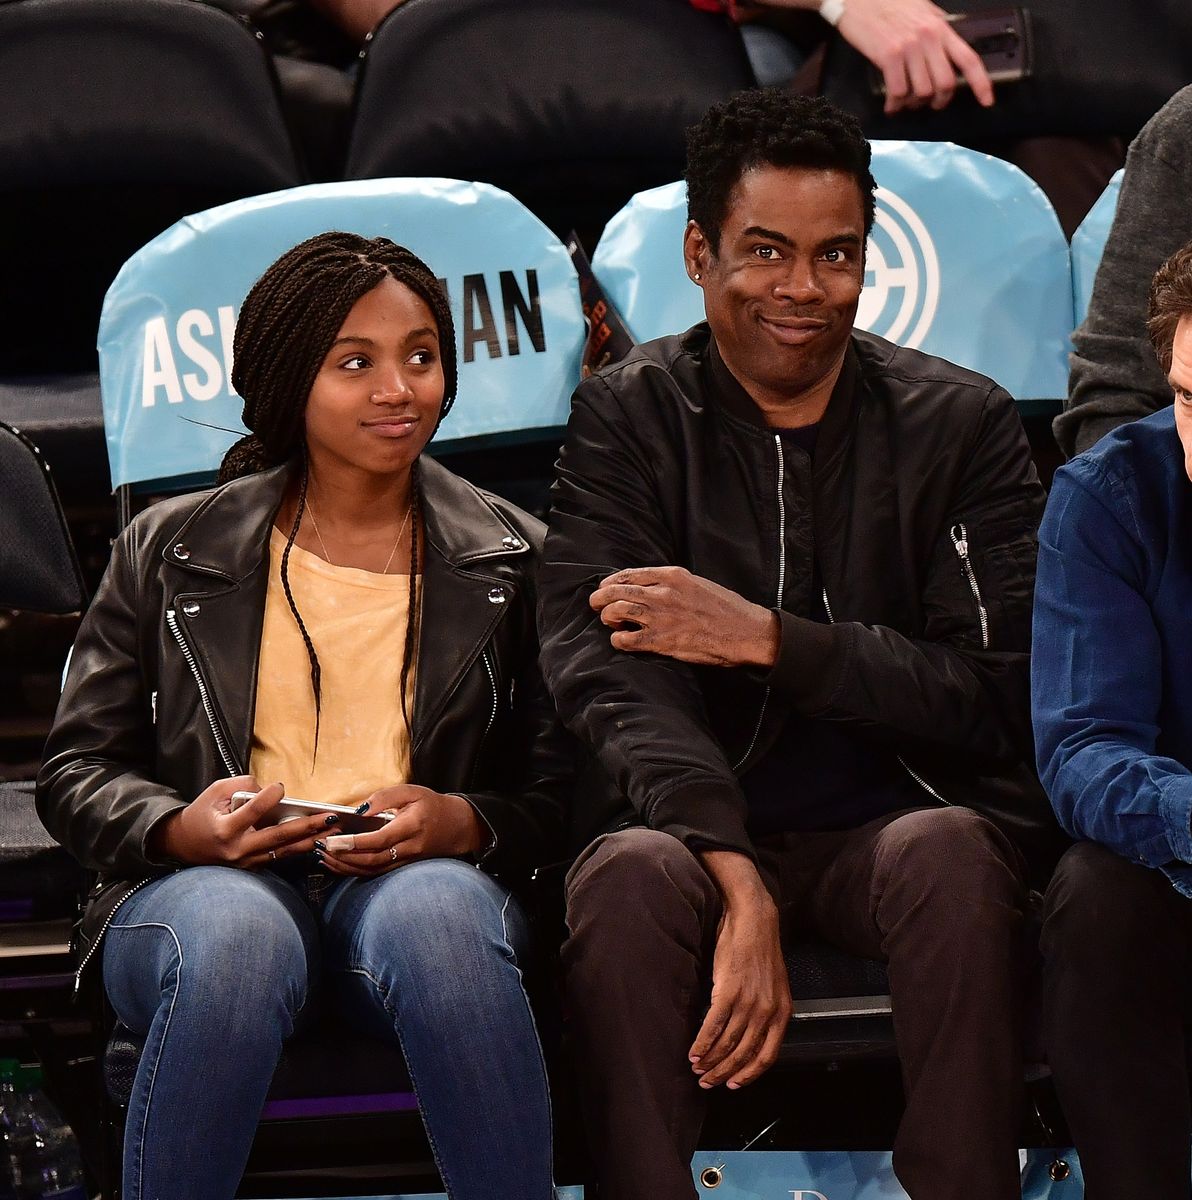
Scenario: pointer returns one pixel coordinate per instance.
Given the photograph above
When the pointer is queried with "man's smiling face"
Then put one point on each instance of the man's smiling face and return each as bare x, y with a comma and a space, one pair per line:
781, 292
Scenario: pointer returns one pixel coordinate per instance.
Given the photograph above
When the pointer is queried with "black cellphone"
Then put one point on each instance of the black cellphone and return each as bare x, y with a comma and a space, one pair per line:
1001, 36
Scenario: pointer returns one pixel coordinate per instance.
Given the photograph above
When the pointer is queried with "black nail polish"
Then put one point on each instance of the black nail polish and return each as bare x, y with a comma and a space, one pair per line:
332, 819
362, 808
320, 846
318, 856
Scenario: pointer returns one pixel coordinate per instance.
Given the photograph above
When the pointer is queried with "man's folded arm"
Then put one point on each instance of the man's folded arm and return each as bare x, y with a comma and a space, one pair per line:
642, 715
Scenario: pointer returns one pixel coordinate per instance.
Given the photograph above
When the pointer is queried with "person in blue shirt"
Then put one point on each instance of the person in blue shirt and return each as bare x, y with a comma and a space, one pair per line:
1112, 698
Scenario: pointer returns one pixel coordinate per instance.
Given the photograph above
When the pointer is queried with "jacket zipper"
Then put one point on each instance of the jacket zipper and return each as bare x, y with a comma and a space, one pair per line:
781, 588
78, 980
204, 694
959, 537
901, 761
221, 745
492, 716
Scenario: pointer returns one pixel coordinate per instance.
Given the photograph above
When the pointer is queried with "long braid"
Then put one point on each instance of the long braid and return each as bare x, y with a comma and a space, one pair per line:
285, 330
316, 672
414, 616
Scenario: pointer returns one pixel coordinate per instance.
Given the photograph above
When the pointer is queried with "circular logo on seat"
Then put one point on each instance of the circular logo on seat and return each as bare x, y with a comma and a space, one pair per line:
902, 274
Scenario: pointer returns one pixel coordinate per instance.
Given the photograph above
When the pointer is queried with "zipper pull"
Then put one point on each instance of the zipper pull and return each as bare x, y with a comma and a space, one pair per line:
959, 537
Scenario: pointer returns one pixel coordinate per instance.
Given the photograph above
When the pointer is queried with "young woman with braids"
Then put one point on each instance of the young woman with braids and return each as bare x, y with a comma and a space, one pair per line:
353, 621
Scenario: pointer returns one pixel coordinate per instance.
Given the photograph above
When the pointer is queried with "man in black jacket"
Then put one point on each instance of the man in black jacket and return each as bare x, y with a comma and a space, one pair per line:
785, 602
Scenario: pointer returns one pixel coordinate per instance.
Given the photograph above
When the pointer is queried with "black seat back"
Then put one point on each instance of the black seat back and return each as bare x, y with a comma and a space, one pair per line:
571, 105
38, 568
117, 117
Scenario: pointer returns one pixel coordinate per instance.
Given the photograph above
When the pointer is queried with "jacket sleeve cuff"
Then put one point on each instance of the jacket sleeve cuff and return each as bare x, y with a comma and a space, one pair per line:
704, 816
1175, 806
490, 836
811, 661
150, 823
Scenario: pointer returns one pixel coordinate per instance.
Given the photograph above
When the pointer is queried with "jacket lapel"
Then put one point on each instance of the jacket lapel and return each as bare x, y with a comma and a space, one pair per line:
464, 598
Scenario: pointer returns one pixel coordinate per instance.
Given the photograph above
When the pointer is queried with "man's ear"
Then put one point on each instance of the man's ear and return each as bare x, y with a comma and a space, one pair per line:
697, 253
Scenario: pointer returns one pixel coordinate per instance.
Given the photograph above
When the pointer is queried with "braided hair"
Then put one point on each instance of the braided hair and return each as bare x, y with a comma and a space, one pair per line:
285, 329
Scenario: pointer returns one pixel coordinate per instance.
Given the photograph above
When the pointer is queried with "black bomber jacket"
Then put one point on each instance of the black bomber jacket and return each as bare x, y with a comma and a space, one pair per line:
161, 687
920, 511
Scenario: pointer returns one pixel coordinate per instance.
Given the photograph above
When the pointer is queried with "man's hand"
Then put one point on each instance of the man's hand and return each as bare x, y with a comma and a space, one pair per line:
667, 610
209, 832
751, 1000
911, 42
424, 824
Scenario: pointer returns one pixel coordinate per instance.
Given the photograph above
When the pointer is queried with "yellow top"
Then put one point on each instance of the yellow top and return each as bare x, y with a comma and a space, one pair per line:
357, 623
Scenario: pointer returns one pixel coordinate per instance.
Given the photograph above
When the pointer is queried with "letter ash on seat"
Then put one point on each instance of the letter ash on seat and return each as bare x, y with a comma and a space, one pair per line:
166, 331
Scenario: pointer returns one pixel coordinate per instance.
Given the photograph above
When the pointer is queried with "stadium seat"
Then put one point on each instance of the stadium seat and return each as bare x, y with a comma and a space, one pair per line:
39, 882
165, 334
571, 105
1088, 244
39, 574
966, 260
117, 117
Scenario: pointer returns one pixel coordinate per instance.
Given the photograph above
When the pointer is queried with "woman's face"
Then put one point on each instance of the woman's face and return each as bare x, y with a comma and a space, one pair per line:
376, 399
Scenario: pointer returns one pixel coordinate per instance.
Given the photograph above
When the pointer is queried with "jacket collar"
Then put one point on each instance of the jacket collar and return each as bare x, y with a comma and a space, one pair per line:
734, 399
832, 471
227, 536
460, 524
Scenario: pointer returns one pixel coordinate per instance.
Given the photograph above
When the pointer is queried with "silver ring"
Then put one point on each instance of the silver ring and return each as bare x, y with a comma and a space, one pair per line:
273, 856
393, 854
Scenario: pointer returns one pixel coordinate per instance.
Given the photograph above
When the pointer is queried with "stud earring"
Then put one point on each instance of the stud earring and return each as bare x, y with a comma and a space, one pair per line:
697, 277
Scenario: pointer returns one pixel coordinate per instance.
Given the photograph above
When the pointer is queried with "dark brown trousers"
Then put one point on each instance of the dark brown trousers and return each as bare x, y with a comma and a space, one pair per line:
1117, 1005
937, 893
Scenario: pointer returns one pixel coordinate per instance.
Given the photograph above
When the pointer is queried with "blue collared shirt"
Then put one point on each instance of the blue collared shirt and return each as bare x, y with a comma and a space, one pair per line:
1111, 668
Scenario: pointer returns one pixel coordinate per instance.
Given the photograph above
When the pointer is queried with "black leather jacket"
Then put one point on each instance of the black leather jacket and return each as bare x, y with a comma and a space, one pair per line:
920, 512
161, 688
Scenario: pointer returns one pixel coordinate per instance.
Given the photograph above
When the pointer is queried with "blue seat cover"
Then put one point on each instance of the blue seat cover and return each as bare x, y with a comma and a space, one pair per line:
1088, 244
165, 335
967, 260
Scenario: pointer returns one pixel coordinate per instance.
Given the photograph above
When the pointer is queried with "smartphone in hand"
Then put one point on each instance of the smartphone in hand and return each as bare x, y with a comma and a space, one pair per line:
1000, 36
290, 807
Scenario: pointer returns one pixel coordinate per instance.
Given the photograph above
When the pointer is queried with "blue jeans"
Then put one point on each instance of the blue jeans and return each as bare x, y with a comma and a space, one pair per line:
214, 967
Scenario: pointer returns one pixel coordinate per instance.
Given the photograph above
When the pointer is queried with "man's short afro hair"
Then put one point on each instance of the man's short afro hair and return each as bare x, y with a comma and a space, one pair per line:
768, 127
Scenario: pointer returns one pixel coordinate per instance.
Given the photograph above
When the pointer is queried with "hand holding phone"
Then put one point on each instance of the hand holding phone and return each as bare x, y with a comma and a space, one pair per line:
289, 808
217, 829
424, 824
919, 54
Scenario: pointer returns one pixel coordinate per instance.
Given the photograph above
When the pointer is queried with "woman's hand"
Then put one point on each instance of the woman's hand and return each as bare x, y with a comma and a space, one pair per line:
424, 824
208, 832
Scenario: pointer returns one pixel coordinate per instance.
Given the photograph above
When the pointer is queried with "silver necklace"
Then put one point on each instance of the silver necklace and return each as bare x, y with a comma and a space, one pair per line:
385, 569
